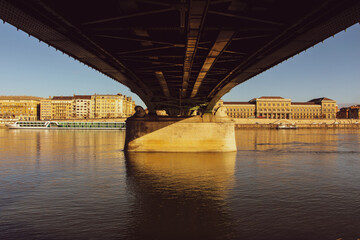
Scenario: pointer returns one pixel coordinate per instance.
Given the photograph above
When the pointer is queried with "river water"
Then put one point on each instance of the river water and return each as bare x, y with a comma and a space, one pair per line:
280, 184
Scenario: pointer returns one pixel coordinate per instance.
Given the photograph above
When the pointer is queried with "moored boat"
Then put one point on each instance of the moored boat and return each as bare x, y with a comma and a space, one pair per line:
286, 126
67, 125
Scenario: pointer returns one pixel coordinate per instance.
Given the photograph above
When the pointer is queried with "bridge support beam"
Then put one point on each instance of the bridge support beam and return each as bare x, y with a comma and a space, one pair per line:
208, 133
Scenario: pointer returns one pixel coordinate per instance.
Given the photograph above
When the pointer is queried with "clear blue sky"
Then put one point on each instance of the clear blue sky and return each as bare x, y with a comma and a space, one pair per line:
330, 69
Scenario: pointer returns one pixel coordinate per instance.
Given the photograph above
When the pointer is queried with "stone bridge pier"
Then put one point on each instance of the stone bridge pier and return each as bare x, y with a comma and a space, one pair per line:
207, 133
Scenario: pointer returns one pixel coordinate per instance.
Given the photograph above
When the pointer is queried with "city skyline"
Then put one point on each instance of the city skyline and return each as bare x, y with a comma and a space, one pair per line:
32, 68
66, 107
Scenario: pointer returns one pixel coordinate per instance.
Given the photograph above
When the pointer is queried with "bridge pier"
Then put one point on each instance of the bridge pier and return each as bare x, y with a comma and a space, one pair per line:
207, 133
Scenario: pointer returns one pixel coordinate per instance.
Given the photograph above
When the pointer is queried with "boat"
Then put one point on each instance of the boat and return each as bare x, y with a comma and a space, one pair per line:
286, 126
66, 125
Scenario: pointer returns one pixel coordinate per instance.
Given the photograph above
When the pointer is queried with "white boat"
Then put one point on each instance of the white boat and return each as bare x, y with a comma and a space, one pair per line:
66, 125
286, 126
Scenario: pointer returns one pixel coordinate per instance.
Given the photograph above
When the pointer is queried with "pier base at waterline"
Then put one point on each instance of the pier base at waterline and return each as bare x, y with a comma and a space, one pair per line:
207, 133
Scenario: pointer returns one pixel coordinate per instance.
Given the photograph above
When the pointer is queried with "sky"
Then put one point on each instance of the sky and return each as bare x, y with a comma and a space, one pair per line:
329, 69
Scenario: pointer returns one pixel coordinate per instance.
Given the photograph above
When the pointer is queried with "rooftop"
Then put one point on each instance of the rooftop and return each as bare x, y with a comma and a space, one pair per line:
321, 99
270, 97
82, 96
62, 98
19, 98
240, 103
303, 103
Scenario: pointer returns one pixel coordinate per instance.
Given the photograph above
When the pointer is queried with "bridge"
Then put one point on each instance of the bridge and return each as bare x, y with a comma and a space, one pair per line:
177, 55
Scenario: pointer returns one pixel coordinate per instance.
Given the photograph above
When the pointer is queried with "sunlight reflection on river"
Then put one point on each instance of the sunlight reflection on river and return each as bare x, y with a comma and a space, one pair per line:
287, 184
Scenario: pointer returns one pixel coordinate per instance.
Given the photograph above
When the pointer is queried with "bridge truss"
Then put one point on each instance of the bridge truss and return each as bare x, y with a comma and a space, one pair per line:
179, 54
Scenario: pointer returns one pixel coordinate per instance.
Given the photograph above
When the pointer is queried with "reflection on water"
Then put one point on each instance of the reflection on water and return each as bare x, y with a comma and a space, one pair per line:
61, 184
296, 184
181, 196
288, 139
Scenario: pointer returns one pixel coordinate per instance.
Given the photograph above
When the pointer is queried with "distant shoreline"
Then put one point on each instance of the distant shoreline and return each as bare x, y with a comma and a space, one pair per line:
300, 123
258, 123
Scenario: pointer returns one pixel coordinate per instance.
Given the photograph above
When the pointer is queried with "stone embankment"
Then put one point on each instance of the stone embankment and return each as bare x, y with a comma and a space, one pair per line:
300, 123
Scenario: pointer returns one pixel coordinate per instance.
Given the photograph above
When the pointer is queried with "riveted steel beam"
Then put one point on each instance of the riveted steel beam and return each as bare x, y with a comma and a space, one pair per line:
228, 14
196, 19
220, 44
142, 40
163, 84
106, 20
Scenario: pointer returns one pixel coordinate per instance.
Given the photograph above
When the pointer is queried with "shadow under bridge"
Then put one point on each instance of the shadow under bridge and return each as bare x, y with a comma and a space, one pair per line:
177, 55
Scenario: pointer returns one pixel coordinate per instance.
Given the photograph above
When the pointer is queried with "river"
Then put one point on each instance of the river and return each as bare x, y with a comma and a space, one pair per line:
280, 184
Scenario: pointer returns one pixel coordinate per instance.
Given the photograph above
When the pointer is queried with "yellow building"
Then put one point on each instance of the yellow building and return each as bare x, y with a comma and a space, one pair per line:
128, 106
281, 108
106, 106
62, 108
305, 110
328, 107
317, 108
240, 109
81, 106
45, 109
66, 107
272, 107
19, 107
111, 106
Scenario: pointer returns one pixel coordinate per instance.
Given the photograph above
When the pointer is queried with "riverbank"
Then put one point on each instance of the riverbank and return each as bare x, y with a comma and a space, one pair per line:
300, 123
2, 123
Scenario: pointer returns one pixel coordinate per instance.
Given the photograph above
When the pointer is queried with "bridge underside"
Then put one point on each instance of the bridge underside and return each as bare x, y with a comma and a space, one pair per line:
179, 54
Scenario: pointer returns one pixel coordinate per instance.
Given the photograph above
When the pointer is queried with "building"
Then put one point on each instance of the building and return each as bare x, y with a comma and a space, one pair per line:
106, 106
111, 106
92, 106
128, 106
239, 109
81, 106
20, 107
328, 107
45, 109
352, 112
306, 110
272, 107
275, 107
62, 108
66, 107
